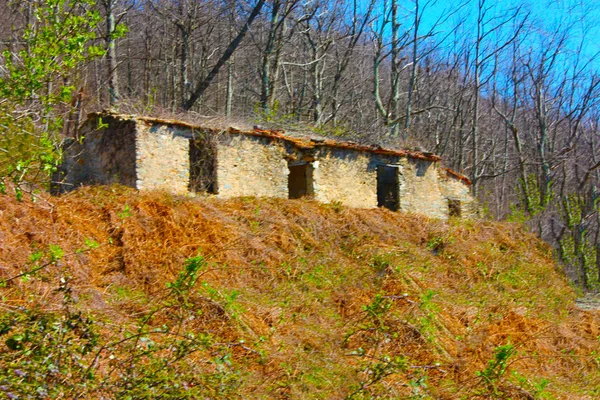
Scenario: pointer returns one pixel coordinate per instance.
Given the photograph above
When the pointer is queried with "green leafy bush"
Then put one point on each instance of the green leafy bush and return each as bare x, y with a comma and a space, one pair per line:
69, 354
37, 88
495, 370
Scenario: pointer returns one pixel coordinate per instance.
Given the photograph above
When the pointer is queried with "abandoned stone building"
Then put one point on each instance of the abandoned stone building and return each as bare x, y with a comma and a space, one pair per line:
148, 153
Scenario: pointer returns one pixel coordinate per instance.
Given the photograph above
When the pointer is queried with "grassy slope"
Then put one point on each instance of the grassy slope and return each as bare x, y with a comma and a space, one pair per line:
304, 300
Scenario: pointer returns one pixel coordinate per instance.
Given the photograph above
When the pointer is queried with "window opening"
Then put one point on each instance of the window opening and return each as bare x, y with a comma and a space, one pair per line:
422, 167
454, 208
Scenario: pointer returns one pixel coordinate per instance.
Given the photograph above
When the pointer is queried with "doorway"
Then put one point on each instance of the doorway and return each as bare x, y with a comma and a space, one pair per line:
203, 166
300, 180
388, 190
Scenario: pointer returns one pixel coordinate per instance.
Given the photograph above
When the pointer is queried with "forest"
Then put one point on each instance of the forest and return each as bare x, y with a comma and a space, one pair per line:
506, 95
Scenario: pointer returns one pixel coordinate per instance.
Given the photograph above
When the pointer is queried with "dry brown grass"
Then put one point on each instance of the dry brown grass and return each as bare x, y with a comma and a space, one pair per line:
307, 279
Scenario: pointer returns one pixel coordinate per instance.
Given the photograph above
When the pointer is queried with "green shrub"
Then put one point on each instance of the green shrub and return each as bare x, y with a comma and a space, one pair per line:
37, 88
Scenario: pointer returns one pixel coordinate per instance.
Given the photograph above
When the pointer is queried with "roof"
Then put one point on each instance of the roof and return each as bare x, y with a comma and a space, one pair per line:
456, 175
300, 142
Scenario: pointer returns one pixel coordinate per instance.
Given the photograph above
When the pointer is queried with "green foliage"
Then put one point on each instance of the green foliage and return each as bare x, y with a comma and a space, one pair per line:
374, 365
38, 261
382, 263
61, 354
187, 278
337, 206
377, 368
90, 244
126, 213
419, 388
271, 115
438, 243
576, 247
120, 31
55, 252
537, 387
56, 44
377, 309
46, 354
26, 153
532, 201
339, 130
427, 321
37, 82
495, 370
517, 214
162, 361
101, 124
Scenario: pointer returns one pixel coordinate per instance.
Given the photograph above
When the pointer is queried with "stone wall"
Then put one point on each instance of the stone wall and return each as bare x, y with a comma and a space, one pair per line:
347, 176
251, 166
342, 175
350, 177
154, 154
419, 188
105, 154
162, 157
453, 189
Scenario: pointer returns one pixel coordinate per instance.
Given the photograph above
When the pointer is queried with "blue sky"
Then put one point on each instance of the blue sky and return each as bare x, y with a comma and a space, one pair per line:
580, 17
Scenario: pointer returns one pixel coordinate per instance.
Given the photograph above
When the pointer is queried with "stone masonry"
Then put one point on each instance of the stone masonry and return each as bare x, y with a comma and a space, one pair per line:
147, 153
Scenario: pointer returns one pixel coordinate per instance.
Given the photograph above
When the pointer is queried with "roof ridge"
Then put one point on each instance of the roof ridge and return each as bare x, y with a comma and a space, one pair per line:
305, 143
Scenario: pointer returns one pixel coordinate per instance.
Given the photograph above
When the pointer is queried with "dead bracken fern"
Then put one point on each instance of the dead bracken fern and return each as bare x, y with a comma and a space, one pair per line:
297, 299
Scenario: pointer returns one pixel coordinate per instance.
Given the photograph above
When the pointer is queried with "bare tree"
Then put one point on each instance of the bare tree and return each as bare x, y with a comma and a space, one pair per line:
399, 40
281, 10
490, 39
111, 33
187, 16
351, 35
204, 83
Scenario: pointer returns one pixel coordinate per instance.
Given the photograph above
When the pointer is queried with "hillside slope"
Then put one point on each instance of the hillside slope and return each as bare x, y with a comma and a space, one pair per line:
146, 295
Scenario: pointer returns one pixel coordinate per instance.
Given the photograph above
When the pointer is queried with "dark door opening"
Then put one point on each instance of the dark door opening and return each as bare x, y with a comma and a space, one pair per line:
454, 209
203, 166
300, 181
388, 191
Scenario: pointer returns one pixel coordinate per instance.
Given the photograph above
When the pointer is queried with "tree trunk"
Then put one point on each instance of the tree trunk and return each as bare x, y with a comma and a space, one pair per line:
205, 83
111, 54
